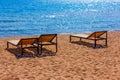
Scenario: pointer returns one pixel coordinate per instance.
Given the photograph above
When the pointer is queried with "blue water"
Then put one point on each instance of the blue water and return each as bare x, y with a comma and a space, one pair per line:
35, 17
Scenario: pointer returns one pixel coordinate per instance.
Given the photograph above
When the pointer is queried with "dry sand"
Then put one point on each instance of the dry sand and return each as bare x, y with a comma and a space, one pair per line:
73, 61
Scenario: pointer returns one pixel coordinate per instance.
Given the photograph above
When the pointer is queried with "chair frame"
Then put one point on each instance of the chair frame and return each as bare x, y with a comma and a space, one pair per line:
95, 38
41, 43
20, 45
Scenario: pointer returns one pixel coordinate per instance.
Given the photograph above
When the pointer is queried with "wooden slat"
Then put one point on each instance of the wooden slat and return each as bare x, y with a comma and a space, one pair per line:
29, 41
96, 34
47, 38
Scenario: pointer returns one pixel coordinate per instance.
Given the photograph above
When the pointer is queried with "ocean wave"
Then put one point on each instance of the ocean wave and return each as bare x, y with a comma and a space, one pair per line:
53, 15
92, 10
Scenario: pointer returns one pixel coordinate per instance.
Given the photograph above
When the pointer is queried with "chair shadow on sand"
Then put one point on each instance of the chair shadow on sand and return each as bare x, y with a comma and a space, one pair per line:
88, 44
30, 53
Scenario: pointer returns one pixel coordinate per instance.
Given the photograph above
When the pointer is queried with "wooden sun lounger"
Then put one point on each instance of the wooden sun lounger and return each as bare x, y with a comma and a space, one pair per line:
44, 39
23, 43
47, 39
92, 36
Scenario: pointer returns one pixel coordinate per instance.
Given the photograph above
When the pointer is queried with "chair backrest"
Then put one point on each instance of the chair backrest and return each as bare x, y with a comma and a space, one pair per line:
27, 41
47, 37
97, 34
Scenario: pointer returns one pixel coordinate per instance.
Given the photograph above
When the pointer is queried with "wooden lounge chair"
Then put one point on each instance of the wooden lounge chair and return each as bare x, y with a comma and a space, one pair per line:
92, 36
23, 43
47, 39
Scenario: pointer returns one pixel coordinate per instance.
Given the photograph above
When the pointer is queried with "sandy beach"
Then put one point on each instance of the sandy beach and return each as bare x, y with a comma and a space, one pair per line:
73, 61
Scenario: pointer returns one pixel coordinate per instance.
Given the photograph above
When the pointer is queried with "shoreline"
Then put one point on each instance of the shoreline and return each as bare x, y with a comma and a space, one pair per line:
71, 62
58, 34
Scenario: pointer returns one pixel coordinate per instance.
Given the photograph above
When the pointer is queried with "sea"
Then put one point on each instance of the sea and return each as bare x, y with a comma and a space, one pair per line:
36, 17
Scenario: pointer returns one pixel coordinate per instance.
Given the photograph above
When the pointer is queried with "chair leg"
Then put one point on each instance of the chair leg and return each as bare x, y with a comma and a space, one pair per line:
41, 49
22, 51
56, 45
106, 39
7, 45
38, 49
95, 43
70, 38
